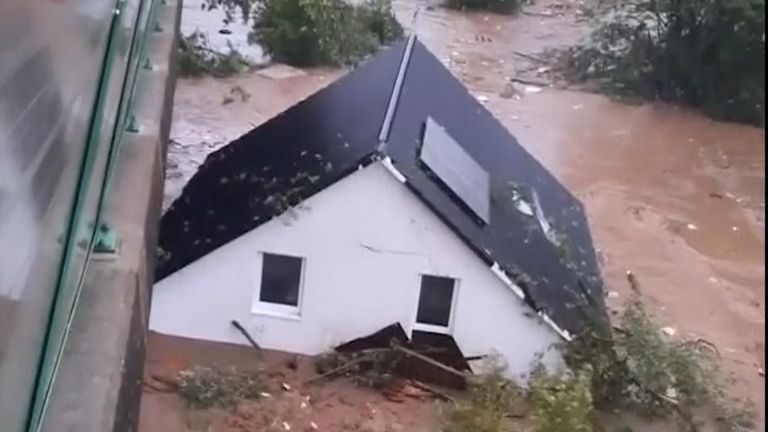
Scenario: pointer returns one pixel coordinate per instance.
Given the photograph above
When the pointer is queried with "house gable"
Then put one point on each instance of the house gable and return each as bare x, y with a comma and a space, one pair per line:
378, 112
366, 241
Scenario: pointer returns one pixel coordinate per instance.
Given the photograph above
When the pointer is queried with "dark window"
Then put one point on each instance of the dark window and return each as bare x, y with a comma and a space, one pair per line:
435, 300
280, 279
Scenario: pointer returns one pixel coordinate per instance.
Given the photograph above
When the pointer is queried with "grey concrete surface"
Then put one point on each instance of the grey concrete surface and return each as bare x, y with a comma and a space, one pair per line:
98, 383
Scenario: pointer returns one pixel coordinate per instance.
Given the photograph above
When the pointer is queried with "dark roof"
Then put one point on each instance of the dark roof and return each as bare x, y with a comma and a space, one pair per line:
350, 123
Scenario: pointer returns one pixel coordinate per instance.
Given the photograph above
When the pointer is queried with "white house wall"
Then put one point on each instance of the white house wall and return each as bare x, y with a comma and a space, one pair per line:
366, 240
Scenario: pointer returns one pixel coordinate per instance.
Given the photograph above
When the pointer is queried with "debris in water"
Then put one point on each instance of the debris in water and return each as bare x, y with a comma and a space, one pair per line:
669, 331
672, 393
692, 227
509, 91
280, 72
533, 89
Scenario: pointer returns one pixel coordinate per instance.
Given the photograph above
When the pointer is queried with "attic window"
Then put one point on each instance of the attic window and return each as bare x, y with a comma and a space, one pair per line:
280, 289
455, 168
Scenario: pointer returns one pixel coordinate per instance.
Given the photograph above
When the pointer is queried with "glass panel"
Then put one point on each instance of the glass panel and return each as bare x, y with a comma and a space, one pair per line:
280, 279
456, 168
435, 300
50, 61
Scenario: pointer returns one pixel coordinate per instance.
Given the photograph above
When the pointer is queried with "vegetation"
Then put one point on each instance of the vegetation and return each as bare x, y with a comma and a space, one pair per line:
314, 32
707, 54
633, 368
203, 387
498, 6
490, 400
196, 58
562, 402
639, 369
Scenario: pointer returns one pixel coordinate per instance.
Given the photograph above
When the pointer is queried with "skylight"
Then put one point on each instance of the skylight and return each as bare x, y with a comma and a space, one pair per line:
456, 169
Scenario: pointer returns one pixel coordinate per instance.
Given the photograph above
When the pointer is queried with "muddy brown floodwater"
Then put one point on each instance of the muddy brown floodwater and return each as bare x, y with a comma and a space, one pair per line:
672, 196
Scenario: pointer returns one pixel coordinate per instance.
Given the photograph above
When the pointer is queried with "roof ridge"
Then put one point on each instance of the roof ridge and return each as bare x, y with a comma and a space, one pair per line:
394, 97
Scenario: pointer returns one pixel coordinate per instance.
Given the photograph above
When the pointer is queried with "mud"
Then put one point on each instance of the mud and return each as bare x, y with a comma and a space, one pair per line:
672, 196
335, 405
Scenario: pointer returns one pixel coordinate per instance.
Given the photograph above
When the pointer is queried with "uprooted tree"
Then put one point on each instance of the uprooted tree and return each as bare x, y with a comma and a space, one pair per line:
706, 54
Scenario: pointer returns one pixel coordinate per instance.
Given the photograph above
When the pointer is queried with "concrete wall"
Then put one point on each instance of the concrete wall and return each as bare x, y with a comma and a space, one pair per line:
366, 240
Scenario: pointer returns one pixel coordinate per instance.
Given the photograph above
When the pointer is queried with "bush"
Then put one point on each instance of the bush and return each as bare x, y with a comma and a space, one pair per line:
562, 402
203, 387
195, 59
637, 368
314, 32
707, 54
499, 6
490, 399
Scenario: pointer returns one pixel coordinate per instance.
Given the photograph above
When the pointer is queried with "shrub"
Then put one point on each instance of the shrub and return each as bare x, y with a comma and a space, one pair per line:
707, 54
490, 399
313, 32
499, 6
562, 402
195, 59
203, 387
639, 369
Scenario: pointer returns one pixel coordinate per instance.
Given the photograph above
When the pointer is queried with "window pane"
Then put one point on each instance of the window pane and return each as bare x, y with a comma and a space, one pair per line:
435, 300
280, 278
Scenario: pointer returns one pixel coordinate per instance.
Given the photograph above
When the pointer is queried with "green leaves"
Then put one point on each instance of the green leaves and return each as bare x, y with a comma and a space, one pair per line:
334, 32
708, 54
203, 387
562, 402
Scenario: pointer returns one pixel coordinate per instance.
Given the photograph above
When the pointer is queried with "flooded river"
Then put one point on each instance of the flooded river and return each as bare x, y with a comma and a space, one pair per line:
672, 196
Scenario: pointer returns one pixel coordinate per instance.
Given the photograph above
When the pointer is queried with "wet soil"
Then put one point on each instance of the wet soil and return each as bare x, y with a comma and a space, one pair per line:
674, 197
337, 405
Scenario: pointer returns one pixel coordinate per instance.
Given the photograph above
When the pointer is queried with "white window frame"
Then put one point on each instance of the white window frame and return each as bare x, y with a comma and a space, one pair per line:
432, 328
260, 307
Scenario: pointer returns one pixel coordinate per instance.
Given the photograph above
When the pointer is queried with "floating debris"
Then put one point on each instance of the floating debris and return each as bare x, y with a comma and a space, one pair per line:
533, 89
669, 331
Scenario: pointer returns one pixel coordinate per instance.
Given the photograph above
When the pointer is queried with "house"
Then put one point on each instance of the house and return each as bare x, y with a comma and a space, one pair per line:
390, 196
